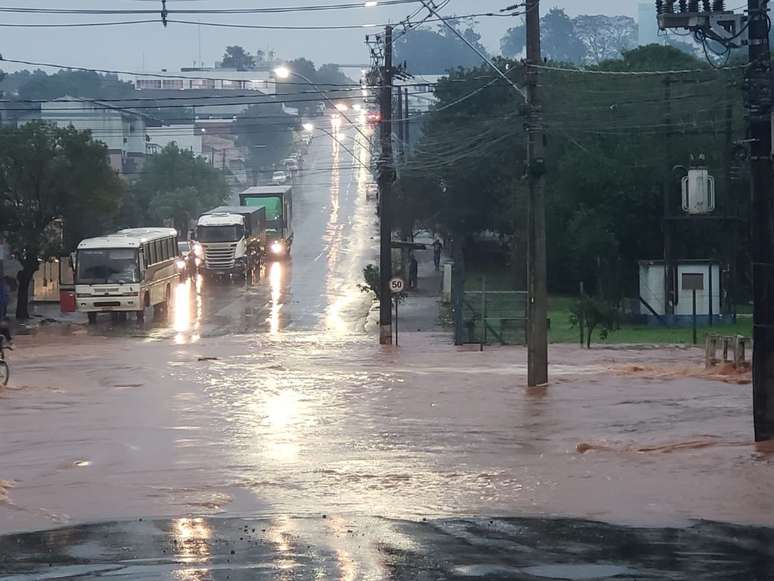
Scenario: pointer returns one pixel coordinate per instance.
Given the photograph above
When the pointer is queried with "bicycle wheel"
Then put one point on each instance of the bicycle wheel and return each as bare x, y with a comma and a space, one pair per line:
5, 373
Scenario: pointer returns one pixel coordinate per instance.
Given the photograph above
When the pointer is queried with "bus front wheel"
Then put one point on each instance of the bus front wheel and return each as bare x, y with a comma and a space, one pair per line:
92, 318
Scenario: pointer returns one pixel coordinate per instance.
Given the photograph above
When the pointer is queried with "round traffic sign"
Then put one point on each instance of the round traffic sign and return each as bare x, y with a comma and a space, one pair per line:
396, 285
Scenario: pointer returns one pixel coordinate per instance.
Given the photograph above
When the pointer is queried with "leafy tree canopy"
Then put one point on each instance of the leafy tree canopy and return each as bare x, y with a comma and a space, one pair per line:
175, 185
237, 58
49, 174
429, 52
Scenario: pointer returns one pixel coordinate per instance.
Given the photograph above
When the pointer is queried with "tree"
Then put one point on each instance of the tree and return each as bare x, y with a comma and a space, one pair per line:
429, 52
558, 37
175, 185
605, 138
39, 85
46, 174
513, 42
267, 133
605, 37
589, 314
237, 58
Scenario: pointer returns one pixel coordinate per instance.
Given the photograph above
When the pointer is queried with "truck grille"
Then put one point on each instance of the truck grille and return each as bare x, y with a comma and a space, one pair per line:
219, 257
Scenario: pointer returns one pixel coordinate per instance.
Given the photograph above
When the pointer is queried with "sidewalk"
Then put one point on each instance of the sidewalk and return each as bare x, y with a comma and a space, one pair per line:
420, 312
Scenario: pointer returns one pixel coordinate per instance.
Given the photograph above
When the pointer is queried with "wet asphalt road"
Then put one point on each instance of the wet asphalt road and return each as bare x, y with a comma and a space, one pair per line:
333, 547
271, 401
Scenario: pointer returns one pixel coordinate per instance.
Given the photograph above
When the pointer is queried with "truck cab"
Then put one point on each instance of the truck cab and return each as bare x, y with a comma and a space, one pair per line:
231, 239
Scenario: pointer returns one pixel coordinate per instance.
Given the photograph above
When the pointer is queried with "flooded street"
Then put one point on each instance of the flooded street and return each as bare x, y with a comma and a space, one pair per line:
274, 401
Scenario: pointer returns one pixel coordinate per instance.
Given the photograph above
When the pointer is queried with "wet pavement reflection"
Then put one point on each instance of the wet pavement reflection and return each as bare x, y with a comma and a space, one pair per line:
350, 548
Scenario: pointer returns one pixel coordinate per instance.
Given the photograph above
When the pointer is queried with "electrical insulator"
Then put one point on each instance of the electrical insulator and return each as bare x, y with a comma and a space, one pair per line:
705, 5
669, 6
693, 5
718, 6
659, 7
683, 6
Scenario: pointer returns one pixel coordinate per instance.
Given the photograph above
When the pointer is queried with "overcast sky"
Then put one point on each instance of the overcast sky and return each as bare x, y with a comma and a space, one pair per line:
151, 47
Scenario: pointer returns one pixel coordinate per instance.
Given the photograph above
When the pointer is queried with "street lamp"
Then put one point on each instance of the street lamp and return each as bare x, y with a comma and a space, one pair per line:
283, 72
309, 127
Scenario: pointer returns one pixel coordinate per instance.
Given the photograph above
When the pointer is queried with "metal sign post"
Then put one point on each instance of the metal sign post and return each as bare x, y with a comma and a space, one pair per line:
694, 282
396, 287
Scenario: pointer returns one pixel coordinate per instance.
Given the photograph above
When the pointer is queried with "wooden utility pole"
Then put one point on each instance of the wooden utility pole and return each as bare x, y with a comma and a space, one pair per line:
386, 173
759, 118
537, 331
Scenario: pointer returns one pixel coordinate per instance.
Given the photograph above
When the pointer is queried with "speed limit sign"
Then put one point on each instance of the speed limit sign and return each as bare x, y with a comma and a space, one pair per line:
396, 285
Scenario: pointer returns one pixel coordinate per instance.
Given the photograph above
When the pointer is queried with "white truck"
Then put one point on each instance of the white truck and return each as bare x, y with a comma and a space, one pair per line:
232, 239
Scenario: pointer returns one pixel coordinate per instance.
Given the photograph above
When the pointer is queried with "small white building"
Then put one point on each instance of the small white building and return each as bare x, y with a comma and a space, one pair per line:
185, 136
705, 275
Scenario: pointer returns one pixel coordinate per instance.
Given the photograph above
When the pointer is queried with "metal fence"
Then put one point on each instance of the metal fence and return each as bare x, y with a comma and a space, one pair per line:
495, 317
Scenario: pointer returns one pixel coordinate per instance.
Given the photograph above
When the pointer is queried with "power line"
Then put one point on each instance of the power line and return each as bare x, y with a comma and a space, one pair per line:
265, 10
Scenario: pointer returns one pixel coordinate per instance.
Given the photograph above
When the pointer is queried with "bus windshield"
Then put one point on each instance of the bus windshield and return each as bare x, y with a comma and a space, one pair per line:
219, 233
104, 266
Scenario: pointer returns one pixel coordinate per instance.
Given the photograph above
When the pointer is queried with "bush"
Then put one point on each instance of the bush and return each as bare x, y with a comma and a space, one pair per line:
589, 314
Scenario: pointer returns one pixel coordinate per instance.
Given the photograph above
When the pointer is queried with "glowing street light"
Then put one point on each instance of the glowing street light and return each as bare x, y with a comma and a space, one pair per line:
341, 107
371, 3
357, 107
309, 127
282, 72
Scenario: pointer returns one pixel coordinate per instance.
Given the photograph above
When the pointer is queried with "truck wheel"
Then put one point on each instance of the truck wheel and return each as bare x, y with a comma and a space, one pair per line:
92, 318
140, 316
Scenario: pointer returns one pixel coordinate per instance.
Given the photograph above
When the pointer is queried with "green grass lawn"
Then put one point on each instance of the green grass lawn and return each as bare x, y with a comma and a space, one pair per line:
563, 332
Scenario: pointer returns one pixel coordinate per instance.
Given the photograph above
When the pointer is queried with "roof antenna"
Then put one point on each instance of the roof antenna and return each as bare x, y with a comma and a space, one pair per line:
164, 13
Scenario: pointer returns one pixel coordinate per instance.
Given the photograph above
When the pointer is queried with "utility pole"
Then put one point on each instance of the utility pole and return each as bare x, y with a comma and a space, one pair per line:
669, 271
401, 123
407, 127
386, 173
734, 31
759, 119
537, 317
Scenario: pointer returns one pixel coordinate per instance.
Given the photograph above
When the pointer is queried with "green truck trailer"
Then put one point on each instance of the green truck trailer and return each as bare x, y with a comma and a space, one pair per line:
278, 202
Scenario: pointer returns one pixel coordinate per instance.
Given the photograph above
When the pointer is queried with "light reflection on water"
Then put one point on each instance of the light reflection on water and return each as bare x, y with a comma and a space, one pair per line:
187, 310
192, 537
275, 281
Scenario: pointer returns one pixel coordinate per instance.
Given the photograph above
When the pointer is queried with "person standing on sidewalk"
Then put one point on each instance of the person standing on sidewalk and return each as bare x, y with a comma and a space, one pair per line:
5, 298
437, 249
413, 272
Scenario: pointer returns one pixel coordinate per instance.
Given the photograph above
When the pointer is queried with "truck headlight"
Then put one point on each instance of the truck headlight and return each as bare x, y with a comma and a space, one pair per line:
180, 264
277, 248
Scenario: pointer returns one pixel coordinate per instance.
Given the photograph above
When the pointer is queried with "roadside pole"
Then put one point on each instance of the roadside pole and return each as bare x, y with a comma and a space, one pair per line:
386, 173
759, 113
537, 325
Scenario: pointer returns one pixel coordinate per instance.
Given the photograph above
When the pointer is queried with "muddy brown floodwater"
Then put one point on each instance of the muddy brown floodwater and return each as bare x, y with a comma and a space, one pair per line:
303, 423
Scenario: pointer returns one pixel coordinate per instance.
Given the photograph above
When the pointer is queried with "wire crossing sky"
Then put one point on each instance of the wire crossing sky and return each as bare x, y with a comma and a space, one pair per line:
151, 47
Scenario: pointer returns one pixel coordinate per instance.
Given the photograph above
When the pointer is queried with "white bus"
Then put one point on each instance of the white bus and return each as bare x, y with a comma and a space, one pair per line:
125, 272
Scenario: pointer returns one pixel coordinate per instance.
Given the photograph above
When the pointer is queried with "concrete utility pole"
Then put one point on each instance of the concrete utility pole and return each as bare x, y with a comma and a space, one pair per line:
386, 173
759, 118
537, 319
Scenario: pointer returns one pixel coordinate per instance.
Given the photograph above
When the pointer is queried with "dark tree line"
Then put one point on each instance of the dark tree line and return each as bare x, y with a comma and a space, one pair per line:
607, 163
